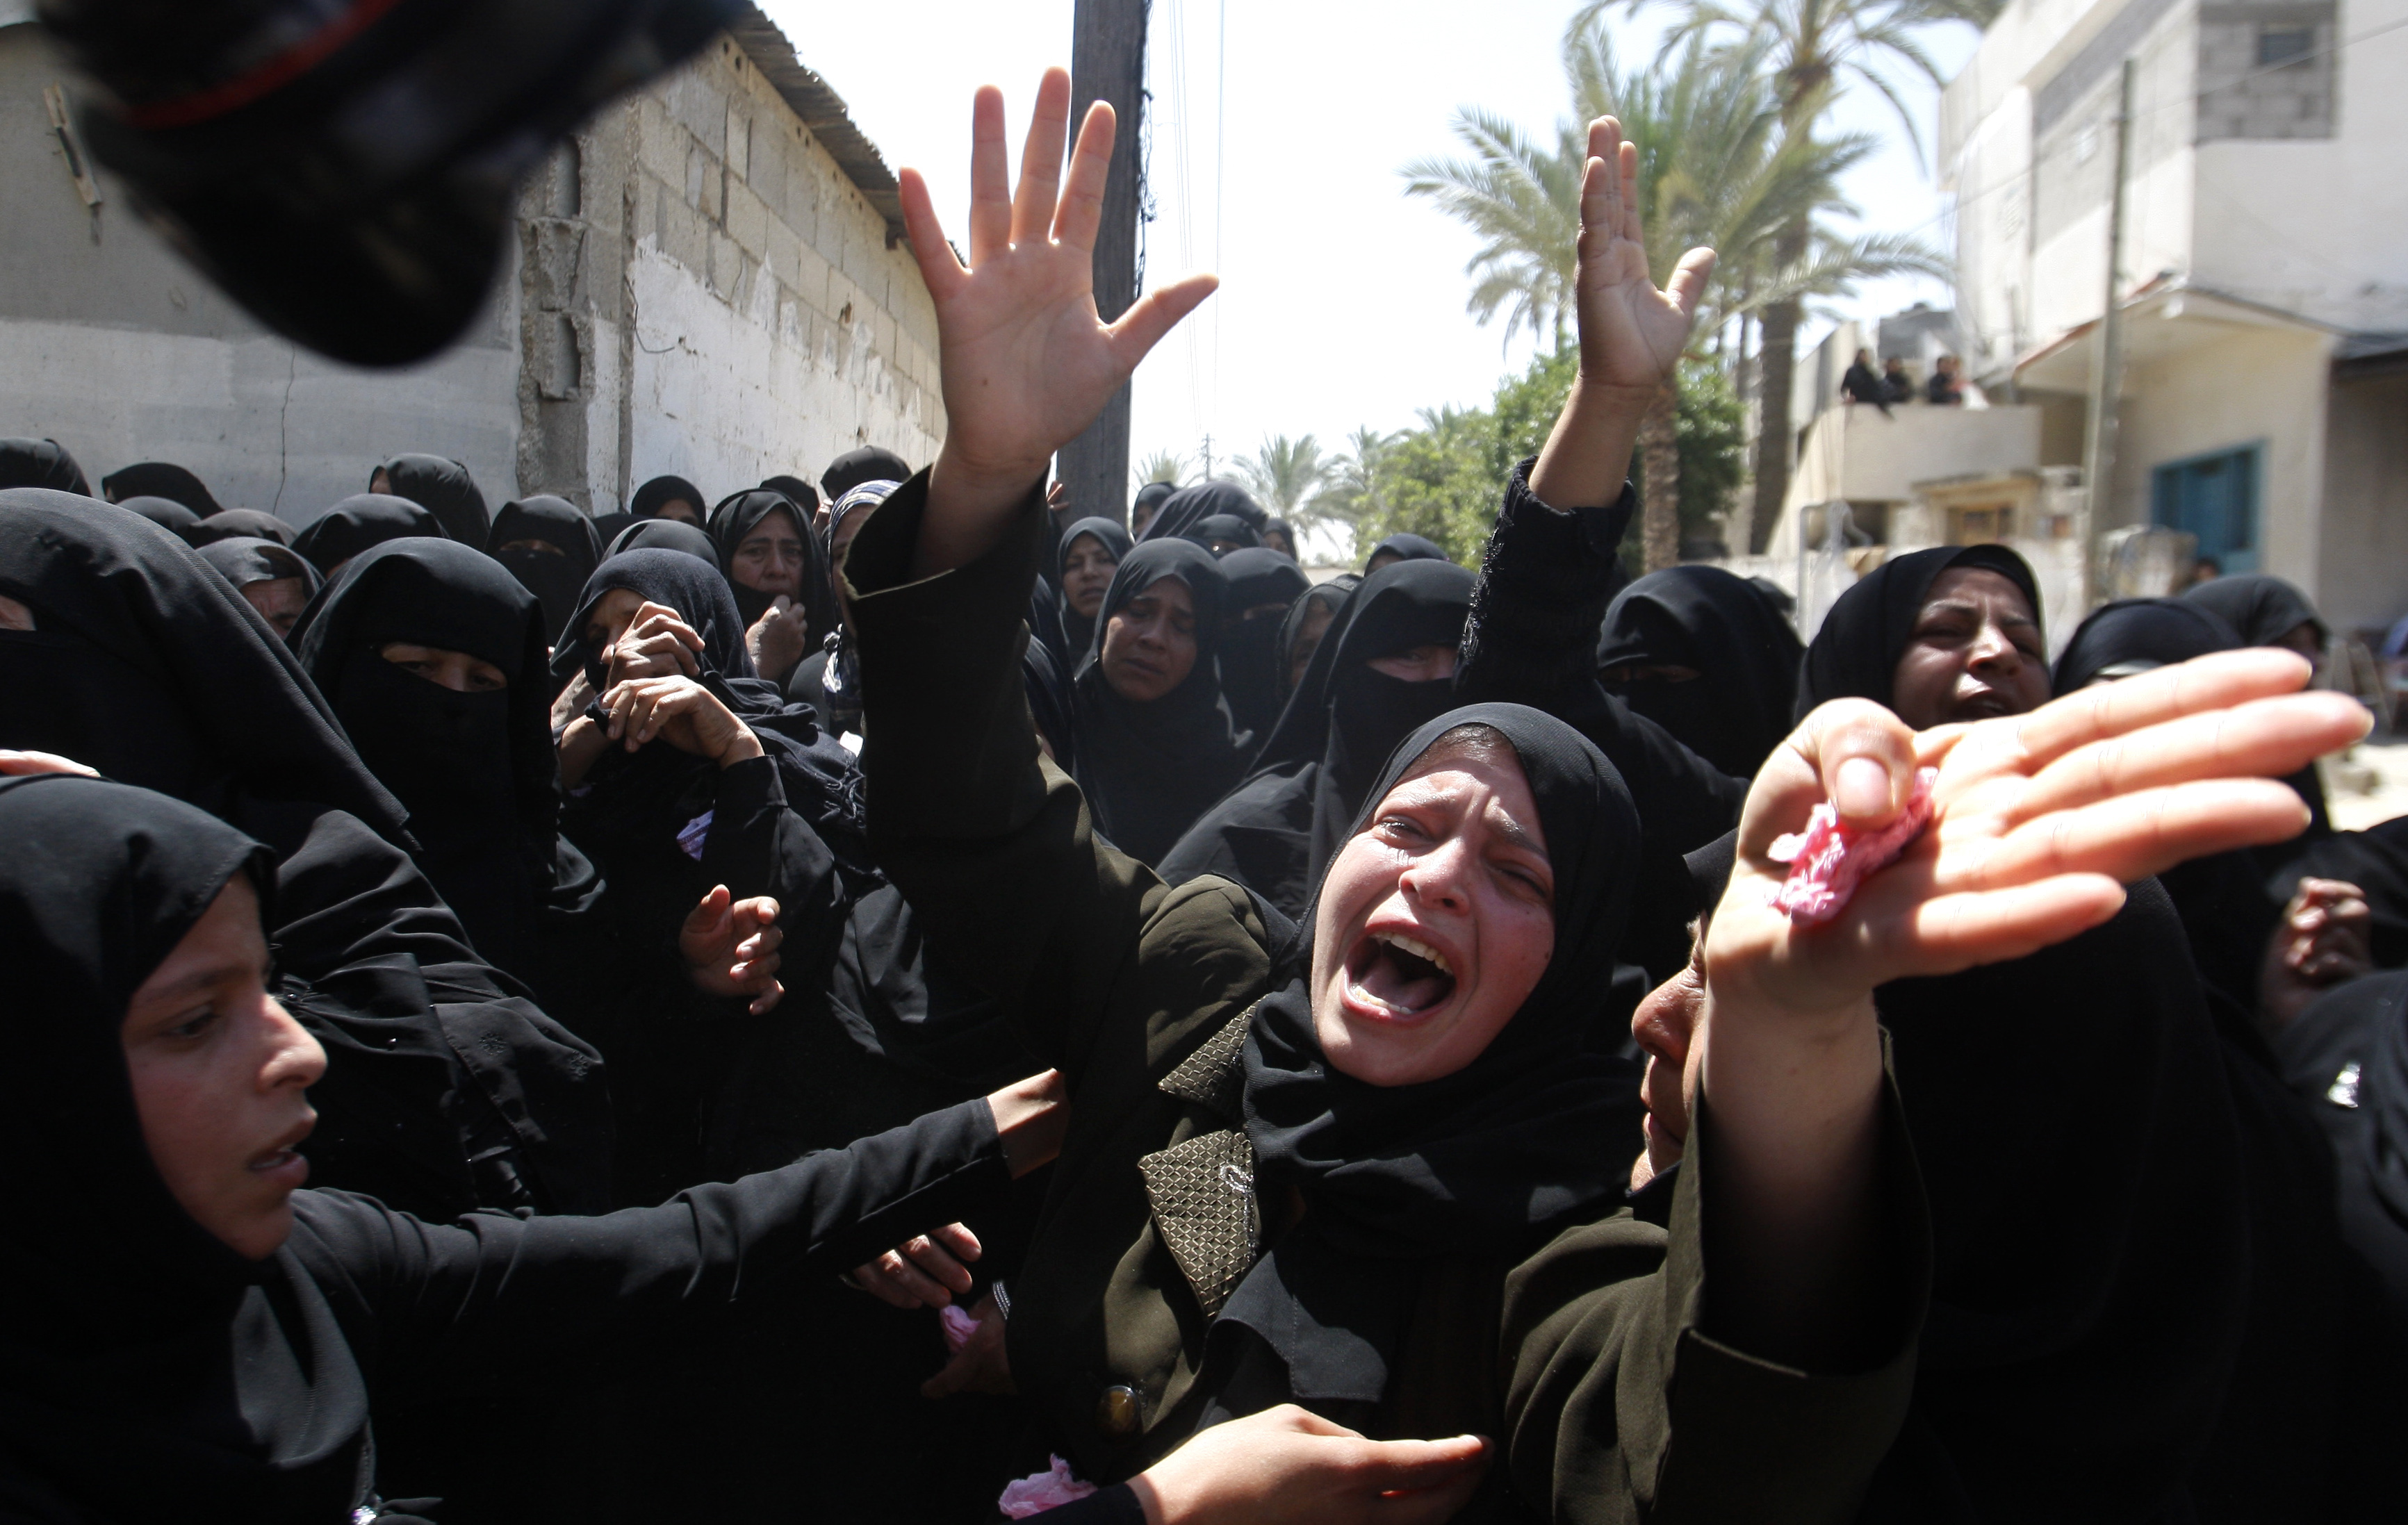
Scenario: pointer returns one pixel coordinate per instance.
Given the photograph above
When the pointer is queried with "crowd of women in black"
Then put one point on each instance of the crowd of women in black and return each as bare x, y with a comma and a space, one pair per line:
1263, 1012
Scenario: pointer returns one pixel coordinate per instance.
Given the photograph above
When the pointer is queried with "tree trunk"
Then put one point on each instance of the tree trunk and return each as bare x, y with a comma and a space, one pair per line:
1659, 456
1108, 64
1776, 363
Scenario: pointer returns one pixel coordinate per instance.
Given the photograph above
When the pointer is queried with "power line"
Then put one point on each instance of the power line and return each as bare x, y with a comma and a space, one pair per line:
1219, 174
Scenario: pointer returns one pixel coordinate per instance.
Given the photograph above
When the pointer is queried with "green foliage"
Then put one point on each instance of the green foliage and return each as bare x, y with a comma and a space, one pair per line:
1161, 466
1286, 474
1442, 478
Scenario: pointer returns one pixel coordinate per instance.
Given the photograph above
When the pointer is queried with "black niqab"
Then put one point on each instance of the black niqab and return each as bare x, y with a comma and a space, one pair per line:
1412, 547
166, 513
41, 462
1738, 709
445, 489
1189, 506
364, 520
2262, 609
554, 579
161, 480
1214, 529
250, 524
1483, 1163
665, 534
1250, 651
2132, 635
1856, 653
660, 492
243, 560
1150, 769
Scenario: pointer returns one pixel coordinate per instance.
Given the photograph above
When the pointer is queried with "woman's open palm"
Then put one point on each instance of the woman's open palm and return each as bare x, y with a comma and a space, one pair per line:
2039, 819
1631, 335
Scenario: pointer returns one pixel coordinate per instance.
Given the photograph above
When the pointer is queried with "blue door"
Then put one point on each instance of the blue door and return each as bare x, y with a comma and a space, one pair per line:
2214, 497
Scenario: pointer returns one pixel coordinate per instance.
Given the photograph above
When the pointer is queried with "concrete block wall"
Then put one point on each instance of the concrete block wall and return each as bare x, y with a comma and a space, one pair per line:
2243, 98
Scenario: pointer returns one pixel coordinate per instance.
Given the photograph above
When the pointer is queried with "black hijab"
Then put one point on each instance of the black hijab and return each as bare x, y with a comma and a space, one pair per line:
1413, 548
1191, 506
148, 665
804, 494
1286, 532
555, 580
651, 497
1212, 527
1856, 653
2132, 635
160, 479
735, 518
164, 1368
166, 513
676, 579
869, 464
243, 560
41, 462
1049, 704
476, 771
1149, 770
1152, 494
2262, 609
364, 520
445, 489
1250, 648
1078, 630
1330, 595
665, 534
250, 524
1738, 709
1486, 1162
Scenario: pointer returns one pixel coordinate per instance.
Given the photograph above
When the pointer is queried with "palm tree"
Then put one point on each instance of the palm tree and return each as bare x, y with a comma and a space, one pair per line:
1817, 49
1161, 466
1350, 493
1285, 472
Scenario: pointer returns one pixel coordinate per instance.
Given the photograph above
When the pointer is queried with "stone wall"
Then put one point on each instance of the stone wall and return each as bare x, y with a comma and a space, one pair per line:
2266, 71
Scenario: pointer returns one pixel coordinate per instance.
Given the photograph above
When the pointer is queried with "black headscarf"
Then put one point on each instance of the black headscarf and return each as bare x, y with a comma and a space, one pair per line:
1486, 1162
41, 462
829, 680
1155, 493
1413, 548
665, 534
1284, 531
445, 489
476, 771
1212, 527
1049, 704
2134, 635
249, 524
648, 498
804, 494
1330, 595
160, 1372
1250, 648
1738, 709
1191, 506
735, 518
554, 580
1149, 770
2262, 609
364, 520
243, 560
869, 464
148, 665
675, 579
160, 479
1078, 630
166, 513
1856, 653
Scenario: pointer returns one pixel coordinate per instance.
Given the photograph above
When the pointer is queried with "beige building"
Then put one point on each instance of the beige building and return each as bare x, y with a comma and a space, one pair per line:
709, 280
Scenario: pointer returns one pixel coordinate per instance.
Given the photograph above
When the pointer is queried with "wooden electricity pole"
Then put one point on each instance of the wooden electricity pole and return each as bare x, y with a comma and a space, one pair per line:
1108, 64
2107, 376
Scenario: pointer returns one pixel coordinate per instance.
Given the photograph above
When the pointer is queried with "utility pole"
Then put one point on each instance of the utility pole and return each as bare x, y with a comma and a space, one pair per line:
1108, 64
2107, 376
1208, 458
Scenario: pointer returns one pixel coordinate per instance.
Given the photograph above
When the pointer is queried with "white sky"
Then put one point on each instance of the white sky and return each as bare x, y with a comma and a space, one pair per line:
1342, 301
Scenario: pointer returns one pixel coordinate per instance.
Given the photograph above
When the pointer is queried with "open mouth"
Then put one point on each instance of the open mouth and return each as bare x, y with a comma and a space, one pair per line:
1392, 976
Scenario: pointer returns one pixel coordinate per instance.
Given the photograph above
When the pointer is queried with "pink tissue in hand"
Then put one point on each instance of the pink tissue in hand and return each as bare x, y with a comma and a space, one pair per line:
1043, 1491
959, 1327
1830, 858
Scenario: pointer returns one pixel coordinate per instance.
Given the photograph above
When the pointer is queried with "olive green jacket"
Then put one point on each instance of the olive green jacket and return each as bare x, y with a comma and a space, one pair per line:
1585, 1363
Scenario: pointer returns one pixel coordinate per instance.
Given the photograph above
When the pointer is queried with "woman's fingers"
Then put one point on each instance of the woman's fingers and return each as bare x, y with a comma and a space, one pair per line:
2103, 710
938, 1262
2259, 738
990, 178
938, 265
1156, 313
1907, 931
1041, 159
959, 1241
2128, 836
1687, 287
1081, 211
1852, 752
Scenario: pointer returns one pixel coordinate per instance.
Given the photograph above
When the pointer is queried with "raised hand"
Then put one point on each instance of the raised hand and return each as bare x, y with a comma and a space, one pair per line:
1027, 363
1631, 335
682, 713
657, 642
730, 947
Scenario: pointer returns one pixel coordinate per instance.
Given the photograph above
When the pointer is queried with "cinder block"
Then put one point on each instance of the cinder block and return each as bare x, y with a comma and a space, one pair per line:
748, 220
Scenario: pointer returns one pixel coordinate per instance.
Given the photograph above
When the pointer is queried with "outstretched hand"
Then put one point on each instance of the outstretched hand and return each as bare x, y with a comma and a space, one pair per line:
1631, 335
730, 947
1027, 363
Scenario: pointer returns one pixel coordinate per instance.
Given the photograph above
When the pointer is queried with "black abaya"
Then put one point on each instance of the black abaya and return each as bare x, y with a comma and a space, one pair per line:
858, 467
166, 513
1150, 769
2262, 609
41, 462
1737, 707
555, 577
361, 520
1409, 547
445, 489
149, 666
664, 535
2131, 635
243, 560
1275, 832
160, 479
1259, 579
1189, 506
250, 524
662, 491
169, 1377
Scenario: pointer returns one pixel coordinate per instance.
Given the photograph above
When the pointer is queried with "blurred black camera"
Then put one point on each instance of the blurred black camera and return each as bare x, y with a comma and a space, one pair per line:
345, 169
